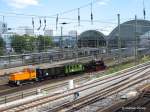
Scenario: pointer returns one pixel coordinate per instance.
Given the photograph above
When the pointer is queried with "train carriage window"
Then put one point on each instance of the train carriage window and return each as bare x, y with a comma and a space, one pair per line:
67, 68
80, 66
75, 66
70, 67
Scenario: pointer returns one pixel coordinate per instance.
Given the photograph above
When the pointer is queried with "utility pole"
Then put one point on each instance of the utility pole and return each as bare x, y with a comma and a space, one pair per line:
107, 49
135, 43
76, 46
119, 40
61, 39
3, 25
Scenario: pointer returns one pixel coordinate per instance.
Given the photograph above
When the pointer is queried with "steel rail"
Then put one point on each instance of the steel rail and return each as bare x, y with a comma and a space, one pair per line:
59, 97
89, 99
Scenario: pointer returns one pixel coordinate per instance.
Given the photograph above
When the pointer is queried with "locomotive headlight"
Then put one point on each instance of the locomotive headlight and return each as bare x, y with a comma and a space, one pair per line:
47, 74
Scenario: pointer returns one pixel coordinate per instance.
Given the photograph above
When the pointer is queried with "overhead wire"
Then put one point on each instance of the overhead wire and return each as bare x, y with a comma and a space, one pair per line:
62, 18
43, 16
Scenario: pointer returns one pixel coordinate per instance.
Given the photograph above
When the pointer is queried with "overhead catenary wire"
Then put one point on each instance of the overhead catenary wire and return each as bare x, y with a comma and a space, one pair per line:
83, 20
65, 12
54, 15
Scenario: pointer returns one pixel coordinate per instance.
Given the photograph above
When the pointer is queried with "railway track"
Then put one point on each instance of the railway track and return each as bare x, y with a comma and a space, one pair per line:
5, 88
7, 96
98, 95
47, 99
33, 91
140, 103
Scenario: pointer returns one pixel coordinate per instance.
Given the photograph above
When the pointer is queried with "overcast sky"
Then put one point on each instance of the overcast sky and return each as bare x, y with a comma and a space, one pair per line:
104, 10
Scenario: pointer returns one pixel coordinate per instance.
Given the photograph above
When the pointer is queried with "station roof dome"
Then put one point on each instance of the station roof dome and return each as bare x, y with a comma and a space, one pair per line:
127, 32
91, 38
127, 29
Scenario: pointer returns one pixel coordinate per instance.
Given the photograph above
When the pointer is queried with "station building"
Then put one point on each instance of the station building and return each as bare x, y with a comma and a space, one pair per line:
91, 38
129, 32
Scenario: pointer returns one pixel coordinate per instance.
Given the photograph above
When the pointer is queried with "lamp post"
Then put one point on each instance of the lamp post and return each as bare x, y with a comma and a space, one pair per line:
76, 47
119, 40
61, 39
135, 43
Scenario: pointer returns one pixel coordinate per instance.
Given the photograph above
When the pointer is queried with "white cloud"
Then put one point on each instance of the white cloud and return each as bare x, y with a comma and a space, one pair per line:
19, 4
103, 2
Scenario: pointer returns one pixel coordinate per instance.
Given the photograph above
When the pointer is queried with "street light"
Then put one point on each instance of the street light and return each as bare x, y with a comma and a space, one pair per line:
61, 39
76, 47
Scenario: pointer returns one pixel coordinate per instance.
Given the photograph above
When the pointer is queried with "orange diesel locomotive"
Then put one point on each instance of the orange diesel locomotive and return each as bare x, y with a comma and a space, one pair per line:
23, 76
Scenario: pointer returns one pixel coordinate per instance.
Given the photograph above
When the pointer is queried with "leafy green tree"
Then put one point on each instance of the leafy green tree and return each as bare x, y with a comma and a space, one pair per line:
2, 45
18, 43
44, 42
29, 43
23, 43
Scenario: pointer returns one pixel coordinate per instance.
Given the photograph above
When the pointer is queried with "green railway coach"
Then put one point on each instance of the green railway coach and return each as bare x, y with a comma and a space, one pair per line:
74, 68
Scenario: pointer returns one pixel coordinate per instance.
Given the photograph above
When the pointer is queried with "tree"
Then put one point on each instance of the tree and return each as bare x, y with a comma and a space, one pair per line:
18, 43
23, 43
2, 45
29, 43
26, 43
44, 42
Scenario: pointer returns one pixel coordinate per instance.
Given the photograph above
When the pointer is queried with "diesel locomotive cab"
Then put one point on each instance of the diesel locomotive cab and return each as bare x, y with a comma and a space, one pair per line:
24, 76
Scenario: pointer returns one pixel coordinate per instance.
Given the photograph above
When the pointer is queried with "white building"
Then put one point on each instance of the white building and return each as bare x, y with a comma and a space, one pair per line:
72, 33
3, 27
48, 32
7, 39
25, 30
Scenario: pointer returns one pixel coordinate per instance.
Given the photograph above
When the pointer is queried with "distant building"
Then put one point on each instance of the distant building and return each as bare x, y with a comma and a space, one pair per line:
7, 39
3, 27
72, 33
67, 41
48, 32
25, 30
